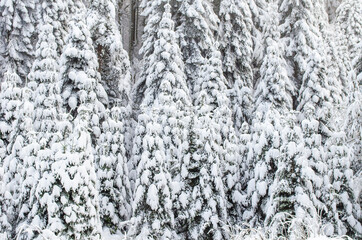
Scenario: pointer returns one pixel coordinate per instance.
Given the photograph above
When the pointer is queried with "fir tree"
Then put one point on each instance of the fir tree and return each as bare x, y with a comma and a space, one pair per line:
205, 210
27, 160
163, 136
18, 165
152, 206
79, 58
273, 100
50, 124
317, 94
112, 172
236, 46
344, 213
348, 19
213, 147
54, 12
290, 207
301, 35
197, 25
113, 62
17, 28
75, 197
11, 95
152, 11
214, 155
349, 27
353, 124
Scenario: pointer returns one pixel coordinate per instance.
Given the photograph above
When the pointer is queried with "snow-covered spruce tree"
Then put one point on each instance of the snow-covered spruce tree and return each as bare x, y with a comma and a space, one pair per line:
166, 62
75, 212
196, 28
290, 207
74, 197
344, 213
316, 107
317, 95
353, 123
301, 35
19, 164
79, 58
236, 46
27, 160
316, 159
349, 27
214, 152
152, 11
112, 172
214, 156
258, 10
348, 19
112, 151
273, 100
305, 48
113, 61
54, 12
10, 97
17, 30
152, 206
204, 211
167, 100
50, 126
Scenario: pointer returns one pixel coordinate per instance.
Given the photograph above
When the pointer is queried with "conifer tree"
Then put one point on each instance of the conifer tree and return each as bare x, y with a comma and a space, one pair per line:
113, 61
205, 211
152, 11
197, 26
348, 19
349, 27
75, 214
79, 54
290, 207
10, 96
50, 123
20, 173
344, 213
213, 147
301, 35
74, 199
152, 206
27, 158
10, 101
54, 12
112, 172
317, 95
213, 154
161, 138
236, 46
77, 62
353, 123
316, 159
17, 28
273, 100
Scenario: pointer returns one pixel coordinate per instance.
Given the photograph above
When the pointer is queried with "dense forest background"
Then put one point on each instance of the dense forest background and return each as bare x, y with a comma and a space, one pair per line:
180, 119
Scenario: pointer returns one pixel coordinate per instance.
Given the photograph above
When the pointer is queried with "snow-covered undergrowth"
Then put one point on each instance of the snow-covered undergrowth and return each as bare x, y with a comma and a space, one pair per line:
316, 232
242, 232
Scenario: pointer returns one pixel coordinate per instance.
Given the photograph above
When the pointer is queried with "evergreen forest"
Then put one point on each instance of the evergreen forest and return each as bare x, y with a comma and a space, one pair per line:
180, 119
